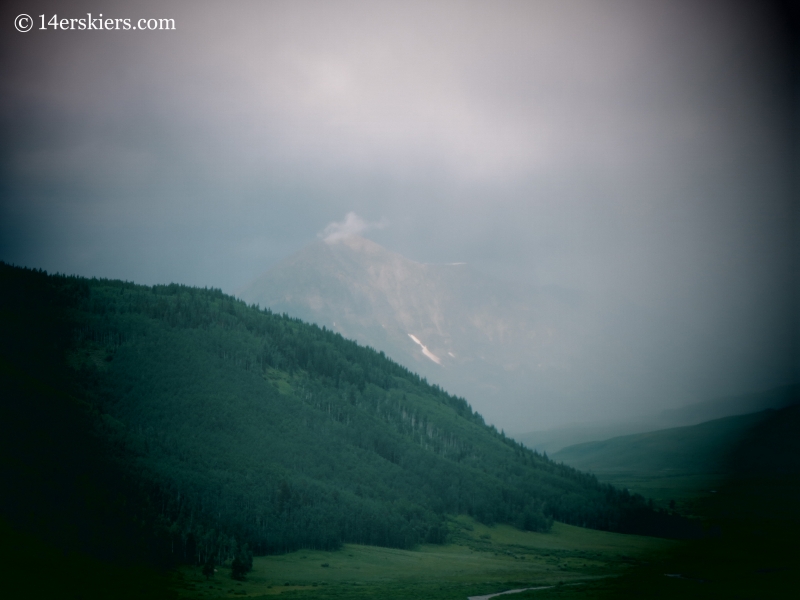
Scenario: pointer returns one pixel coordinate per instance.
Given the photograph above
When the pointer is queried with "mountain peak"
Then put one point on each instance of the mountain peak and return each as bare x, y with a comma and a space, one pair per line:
357, 243
483, 339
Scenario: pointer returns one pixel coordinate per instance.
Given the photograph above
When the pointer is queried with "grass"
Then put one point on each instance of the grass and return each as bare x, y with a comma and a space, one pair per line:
685, 489
749, 552
480, 560
681, 464
280, 379
699, 448
752, 555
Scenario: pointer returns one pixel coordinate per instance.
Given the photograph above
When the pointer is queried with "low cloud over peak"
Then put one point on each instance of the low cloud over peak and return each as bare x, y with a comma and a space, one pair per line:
351, 225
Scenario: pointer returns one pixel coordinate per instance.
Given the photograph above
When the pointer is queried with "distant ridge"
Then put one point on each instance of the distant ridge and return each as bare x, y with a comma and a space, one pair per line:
693, 449
779, 397
555, 439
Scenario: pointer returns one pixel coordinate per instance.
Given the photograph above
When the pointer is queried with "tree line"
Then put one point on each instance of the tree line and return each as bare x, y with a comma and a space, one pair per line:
215, 426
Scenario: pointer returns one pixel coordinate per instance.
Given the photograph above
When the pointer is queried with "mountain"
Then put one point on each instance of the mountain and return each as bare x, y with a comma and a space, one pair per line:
557, 438
750, 510
698, 412
506, 348
695, 449
180, 423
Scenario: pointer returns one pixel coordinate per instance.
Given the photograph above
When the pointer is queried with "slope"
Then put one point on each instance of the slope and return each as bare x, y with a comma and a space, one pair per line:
754, 516
676, 464
694, 449
224, 424
779, 397
505, 346
554, 439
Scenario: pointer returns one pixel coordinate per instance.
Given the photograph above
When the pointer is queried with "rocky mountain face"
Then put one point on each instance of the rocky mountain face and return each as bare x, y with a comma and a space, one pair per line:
504, 348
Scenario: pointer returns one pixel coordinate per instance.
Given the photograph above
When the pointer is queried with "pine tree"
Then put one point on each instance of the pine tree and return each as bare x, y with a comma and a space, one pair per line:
208, 568
242, 563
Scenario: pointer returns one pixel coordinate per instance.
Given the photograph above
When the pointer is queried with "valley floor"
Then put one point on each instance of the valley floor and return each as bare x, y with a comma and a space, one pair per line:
481, 560
752, 554
685, 489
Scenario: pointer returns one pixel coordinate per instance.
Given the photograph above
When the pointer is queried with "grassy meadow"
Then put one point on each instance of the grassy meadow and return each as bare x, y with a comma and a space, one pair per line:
680, 464
685, 489
748, 550
479, 560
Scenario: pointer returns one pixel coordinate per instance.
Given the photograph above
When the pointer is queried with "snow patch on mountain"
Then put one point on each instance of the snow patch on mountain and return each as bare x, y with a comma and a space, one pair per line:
425, 350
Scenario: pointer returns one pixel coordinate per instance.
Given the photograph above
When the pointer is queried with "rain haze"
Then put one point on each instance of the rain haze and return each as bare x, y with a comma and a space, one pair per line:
639, 156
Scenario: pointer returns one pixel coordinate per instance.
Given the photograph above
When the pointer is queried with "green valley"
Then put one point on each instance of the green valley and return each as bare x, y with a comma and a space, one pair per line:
668, 464
175, 425
740, 476
479, 560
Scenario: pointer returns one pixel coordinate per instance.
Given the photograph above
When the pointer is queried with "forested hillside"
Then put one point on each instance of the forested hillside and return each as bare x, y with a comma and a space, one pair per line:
180, 423
699, 448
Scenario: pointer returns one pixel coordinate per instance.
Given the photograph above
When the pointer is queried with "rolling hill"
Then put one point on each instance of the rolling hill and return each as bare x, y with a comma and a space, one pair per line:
192, 424
750, 512
742, 404
555, 439
695, 449
678, 465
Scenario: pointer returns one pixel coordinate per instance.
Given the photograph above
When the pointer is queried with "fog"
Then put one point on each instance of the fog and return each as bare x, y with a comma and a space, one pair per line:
638, 154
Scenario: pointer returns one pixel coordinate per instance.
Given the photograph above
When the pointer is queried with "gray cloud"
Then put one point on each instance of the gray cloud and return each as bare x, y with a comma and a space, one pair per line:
641, 154
352, 224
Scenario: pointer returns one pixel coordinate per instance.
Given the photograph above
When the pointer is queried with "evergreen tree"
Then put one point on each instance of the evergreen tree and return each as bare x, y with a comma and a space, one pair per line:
208, 568
242, 563
212, 422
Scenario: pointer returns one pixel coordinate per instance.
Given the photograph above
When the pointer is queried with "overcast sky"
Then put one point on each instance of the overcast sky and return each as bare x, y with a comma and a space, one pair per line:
639, 152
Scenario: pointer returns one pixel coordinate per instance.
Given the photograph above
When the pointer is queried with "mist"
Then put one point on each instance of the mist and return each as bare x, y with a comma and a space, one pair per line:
638, 156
